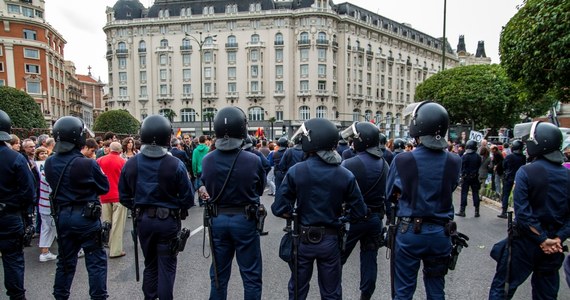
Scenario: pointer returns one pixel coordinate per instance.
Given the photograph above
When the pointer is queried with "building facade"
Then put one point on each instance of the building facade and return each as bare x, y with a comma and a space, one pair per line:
468, 59
281, 62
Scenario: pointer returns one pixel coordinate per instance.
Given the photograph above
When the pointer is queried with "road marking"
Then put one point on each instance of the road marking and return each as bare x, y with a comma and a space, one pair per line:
197, 230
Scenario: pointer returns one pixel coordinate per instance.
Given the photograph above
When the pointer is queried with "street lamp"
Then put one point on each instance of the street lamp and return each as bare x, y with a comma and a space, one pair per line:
444, 42
200, 43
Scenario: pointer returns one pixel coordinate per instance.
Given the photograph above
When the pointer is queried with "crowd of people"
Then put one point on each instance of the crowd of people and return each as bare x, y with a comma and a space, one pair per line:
335, 189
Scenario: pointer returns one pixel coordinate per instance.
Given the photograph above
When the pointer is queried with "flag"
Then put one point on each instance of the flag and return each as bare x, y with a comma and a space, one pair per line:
373, 121
179, 132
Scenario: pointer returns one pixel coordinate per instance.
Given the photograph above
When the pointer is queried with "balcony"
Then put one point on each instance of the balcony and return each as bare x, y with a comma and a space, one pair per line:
257, 44
142, 50
122, 52
164, 98
322, 42
209, 96
186, 48
255, 95
304, 43
164, 49
187, 97
143, 99
232, 95
335, 44
369, 53
322, 93
231, 45
279, 94
123, 99
109, 53
304, 93
278, 43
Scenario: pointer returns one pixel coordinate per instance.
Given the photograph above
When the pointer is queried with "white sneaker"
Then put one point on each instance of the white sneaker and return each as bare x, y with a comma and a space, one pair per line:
47, 257
80, 253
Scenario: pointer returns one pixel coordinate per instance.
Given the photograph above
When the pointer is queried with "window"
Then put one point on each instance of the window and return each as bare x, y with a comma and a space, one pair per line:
322, 85
256, 114
304, 54
2, 82
322, 37
142, 46
279, 39
163, 89
304, 85
207, 88
207, 56
143, 93
33, 87
232, 57
208, 73
304, 70
321, 112
188, 115
279, 86
186, 74
123, 91
278, 55
122, 46
322, 54
1, 66
34, 69
279, 71
13, 9
304, 113
162, 74
186, 89
142, 61
254, 86
232, 87
254, 55
304, 37
30, 34
163, 43
255, 38
186, 59
232, 40
122, 77
254, 71
142, 75
163, 59
231, 72
31, 53
279, 115
322, 70
122, 62
186, 43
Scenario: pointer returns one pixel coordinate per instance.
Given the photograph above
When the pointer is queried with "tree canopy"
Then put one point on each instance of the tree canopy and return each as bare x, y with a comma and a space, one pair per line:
534, 52
480, 94
22, 109
117, 121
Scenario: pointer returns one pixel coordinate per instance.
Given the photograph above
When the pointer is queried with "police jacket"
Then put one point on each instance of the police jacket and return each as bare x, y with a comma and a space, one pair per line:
291, 157
17, 190
159, 182
542, 200
277, 156
246, 181
83, 180
182, 156
264, 161
318, 190
511, 164
388, 155
370, 173
470, 164
426, 180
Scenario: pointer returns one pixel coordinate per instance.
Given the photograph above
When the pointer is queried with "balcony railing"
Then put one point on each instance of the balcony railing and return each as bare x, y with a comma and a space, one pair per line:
122, 52
231, 45
186, 48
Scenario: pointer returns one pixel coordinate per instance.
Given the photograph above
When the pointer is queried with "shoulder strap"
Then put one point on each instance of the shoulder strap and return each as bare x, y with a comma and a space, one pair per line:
377, 180
53, 193
227, 178
406, 164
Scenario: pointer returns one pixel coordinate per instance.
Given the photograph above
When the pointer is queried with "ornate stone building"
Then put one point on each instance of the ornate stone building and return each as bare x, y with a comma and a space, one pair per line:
468, 59
282, 62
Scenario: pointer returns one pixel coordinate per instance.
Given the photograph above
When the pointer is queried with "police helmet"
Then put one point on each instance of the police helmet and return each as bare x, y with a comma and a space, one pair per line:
156, 131
282, 142
517, 146
230, 126
399, 145
248, 142
543, 139
429, 123
317, 134
69, 132
5, 126
365, 137
471, 145
382, 140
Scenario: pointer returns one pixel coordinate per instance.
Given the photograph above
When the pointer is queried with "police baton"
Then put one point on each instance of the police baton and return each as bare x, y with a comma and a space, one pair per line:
134, 234
510, 252
208, 214
296, 231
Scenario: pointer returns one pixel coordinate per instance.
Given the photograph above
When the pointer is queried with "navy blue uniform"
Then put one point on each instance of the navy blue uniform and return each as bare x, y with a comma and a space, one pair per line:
388, 155
370, 173
81, 183
148, 185
542, 209
264, 161
470, 164
291, 157
277, 171
511, 164
16, 194
183, 156
426, 180
348, 153
233, 233
319, 195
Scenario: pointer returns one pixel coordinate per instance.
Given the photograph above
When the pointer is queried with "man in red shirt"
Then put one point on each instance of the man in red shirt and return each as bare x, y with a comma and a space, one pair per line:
113, 211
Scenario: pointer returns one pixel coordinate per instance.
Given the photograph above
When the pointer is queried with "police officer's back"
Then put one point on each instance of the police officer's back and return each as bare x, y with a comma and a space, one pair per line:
16, 194
292, 156
422, 183
318, 187
76, 184
511, 164
388, 155
470, 163
156, 187
370, 170
283, 143
249, 145
542, 208
233, 180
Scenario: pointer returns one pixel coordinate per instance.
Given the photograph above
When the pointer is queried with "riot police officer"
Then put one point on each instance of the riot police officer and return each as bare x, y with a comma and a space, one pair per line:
399, 146
292, 156
388, 155
156, 187
470, 163
318, 187
283, 143
370, 170
511, 164
542, 208
76, 184
249, 143
422, 182
233, 182
16, 194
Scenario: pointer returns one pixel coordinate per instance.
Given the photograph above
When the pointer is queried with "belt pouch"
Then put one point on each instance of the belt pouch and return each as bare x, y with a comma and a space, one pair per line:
418, 225
162, 213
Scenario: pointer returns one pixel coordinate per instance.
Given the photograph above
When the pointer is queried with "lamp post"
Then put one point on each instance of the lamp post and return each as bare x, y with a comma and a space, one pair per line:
444, 42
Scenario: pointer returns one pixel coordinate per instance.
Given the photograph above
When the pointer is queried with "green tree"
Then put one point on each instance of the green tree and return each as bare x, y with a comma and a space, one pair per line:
534, 52
481, 95
118, 121
22, 109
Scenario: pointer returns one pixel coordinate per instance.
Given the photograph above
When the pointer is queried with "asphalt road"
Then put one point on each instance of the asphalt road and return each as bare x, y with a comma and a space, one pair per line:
471, 279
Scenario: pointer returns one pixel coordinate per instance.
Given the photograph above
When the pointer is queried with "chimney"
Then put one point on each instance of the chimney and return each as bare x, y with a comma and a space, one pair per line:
461, 44
480, 49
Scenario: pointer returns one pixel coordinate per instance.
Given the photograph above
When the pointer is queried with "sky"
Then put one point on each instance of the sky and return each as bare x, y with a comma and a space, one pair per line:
81, 24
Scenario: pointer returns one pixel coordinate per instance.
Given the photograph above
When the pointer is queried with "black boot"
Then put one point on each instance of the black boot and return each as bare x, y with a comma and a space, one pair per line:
503, 214
461, 213
477, 215
364, 296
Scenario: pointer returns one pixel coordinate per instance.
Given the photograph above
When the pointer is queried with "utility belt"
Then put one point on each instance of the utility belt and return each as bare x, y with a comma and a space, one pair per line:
8, 210
255, 212
417, 223
162, 213
91, 210
315, 234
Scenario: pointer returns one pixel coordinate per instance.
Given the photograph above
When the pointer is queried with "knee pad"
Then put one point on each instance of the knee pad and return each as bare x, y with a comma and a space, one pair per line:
436, 266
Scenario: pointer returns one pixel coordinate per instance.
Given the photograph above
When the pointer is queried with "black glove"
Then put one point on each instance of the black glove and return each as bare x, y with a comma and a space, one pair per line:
459, 239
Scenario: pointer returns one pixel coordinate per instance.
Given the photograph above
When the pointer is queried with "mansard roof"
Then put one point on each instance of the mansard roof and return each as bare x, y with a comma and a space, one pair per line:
128, 10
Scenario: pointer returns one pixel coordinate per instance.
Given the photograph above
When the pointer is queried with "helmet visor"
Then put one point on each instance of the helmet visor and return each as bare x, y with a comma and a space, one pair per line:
350, 132
526, 131
412, 109
302, 131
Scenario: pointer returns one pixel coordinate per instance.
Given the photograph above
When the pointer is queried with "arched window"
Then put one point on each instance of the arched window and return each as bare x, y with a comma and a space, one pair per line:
321, 112
188, 115
208, 41
358, 44
356, 115
378, 117
255, 38
122, 46
379, 50
186, 43
322, 36
304, 113
209, 112
232, 39
142, 45
304, 37
368, 115
164, 43
256, 114
279, 38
